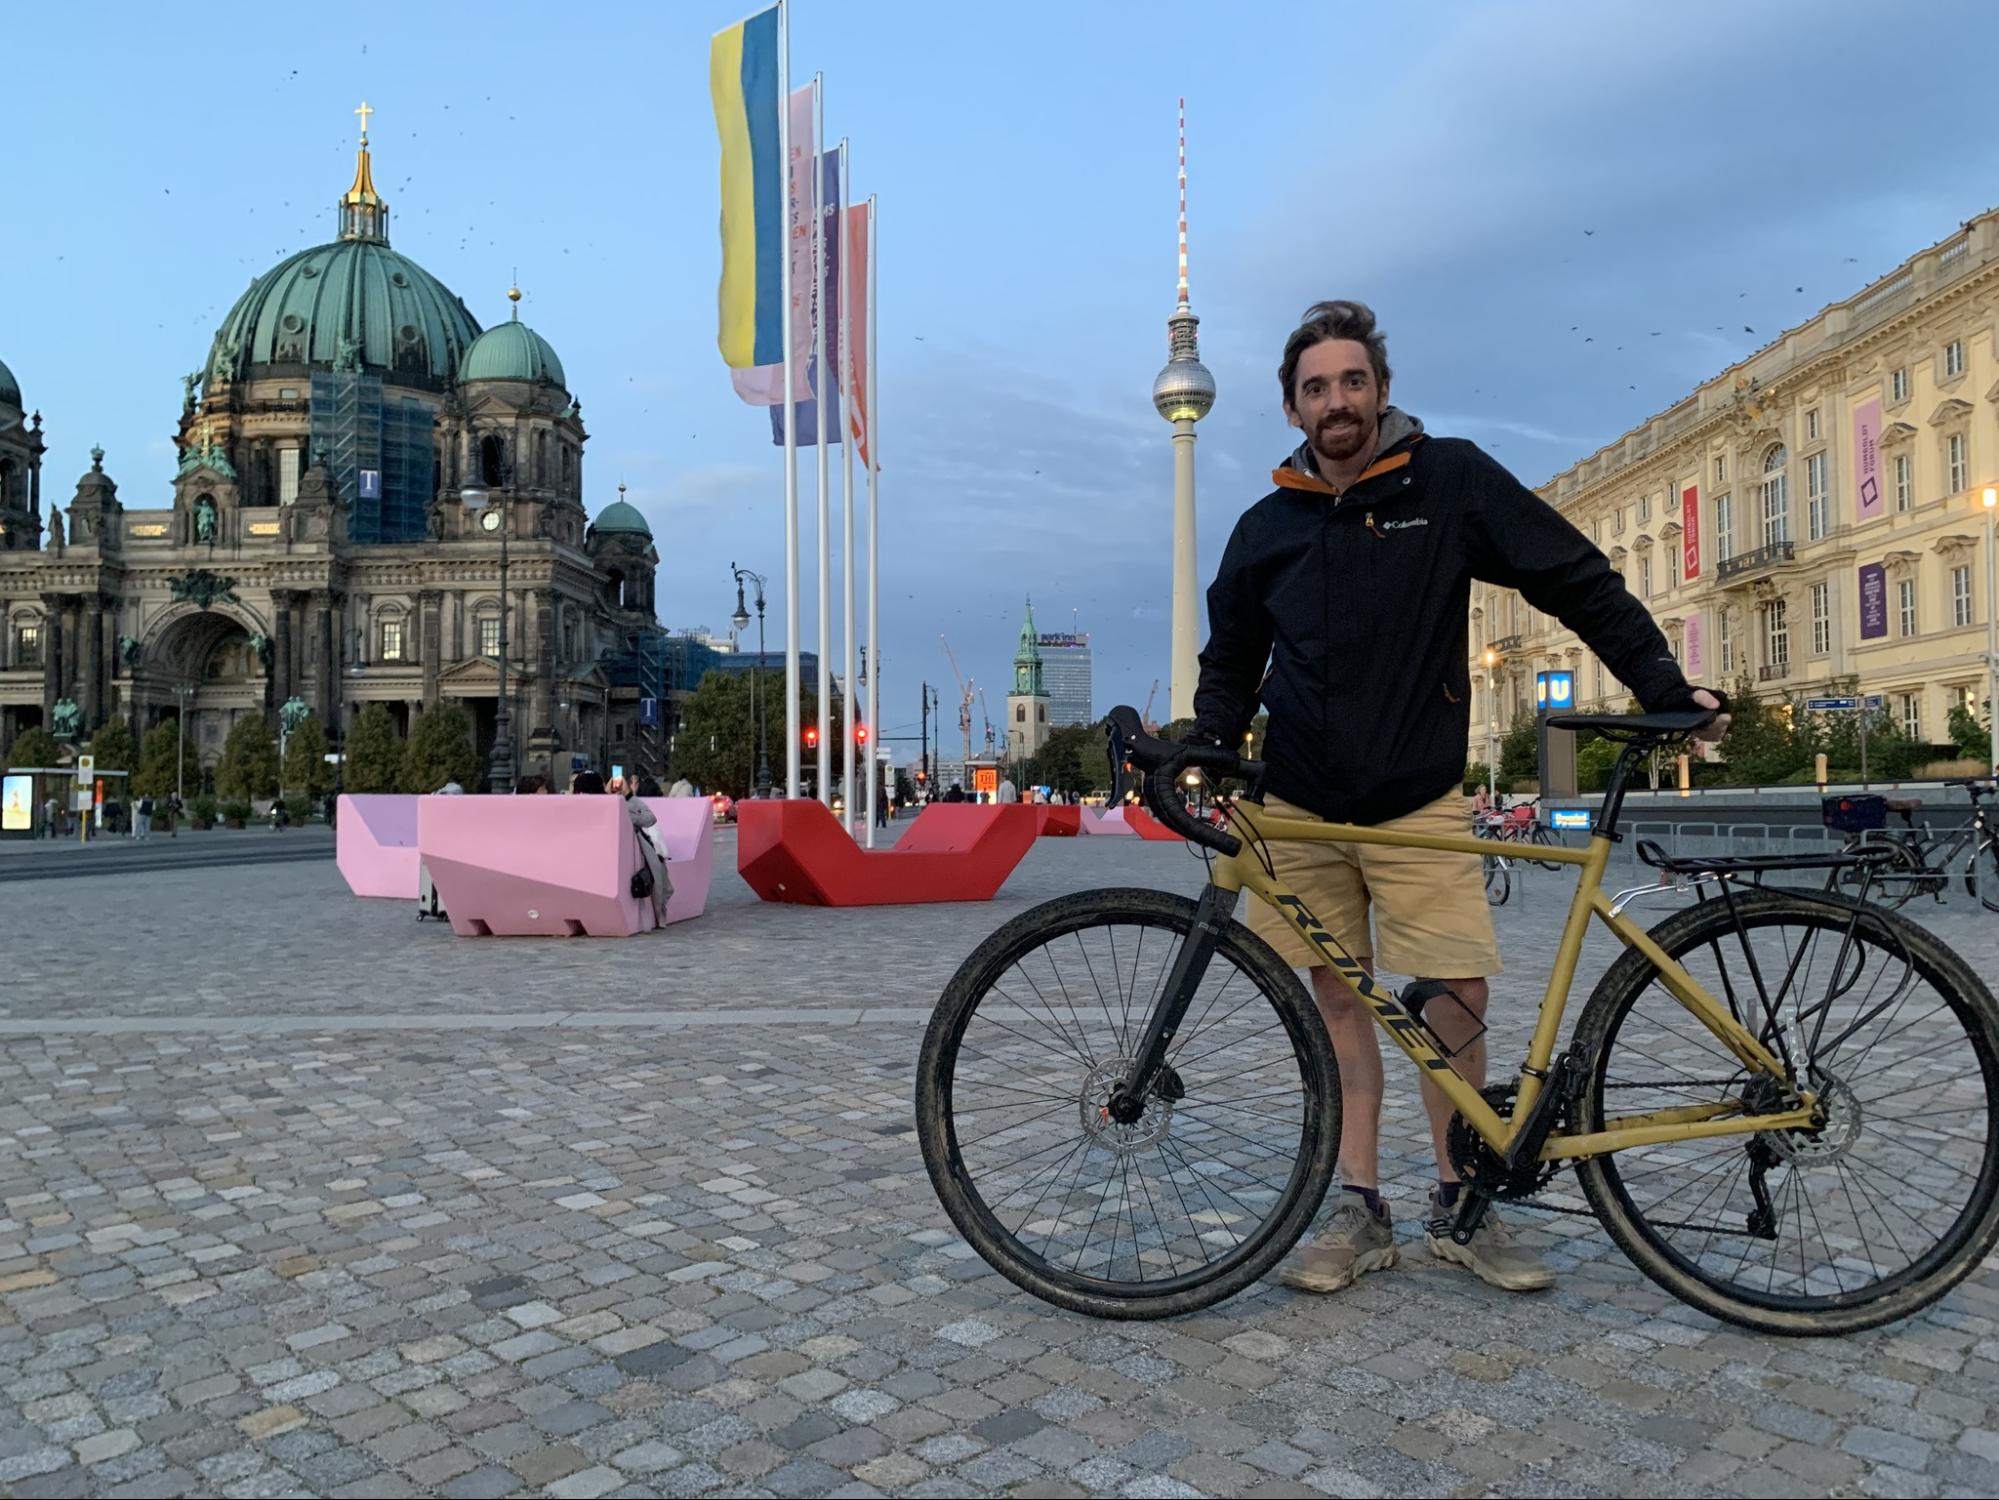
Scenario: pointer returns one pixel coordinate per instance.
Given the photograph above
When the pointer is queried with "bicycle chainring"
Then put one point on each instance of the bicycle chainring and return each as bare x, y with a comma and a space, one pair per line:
1477, 1164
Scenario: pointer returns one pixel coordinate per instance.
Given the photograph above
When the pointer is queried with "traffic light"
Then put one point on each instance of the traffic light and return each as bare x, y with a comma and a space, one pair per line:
812, 737
860, 734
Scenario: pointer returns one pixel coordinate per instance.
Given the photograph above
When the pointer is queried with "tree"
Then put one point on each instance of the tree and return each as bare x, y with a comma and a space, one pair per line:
1972, 734
112, 746
1520, 753
440, 751
716, 744
249, 765
306, 770
1071, 759
374, 752
1761, 747
158, 760
34, 747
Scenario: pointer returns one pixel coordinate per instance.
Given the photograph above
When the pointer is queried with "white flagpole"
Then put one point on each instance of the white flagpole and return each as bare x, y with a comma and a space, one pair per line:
791, 600
856, 762
819, 404
874, 530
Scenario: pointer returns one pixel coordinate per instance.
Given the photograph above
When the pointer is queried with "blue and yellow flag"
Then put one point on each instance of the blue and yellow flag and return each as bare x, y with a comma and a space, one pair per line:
742, 76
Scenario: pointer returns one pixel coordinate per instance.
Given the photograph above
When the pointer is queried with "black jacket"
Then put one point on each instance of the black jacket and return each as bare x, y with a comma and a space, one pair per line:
1359, 602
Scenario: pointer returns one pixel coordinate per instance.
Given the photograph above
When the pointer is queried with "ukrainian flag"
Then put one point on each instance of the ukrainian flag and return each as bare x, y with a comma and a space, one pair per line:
743, 77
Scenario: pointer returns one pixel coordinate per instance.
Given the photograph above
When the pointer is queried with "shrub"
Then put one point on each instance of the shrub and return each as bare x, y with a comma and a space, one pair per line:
35, 747
374, 752
249, 764
1945, 770
203, 811
1476, 775
158, 759
112, 746
440, 751
301, 809
236, 811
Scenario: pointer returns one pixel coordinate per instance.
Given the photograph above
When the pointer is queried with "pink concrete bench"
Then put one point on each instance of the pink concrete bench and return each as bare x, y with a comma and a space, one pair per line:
374, 844
533, 866
1106, 824
687, 832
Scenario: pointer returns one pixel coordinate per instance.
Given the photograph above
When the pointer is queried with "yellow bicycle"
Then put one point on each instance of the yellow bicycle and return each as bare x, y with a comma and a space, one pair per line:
1779, 1101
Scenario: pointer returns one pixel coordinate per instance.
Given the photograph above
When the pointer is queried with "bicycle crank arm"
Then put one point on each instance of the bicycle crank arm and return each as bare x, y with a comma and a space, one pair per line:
1211, 917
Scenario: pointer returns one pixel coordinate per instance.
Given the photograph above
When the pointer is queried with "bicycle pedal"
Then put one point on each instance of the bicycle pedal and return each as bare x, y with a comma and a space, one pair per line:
1472, 1207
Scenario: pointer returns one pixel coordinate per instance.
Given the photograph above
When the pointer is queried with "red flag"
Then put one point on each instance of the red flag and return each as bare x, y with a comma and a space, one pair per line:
854, 366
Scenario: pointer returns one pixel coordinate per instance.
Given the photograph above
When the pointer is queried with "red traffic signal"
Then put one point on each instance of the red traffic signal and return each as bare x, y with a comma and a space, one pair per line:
812, 737
860, 734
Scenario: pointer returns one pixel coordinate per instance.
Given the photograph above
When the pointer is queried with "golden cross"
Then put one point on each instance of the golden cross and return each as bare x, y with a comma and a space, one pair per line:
364, 111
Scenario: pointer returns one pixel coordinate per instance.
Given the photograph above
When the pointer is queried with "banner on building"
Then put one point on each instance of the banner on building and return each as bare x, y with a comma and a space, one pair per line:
1867, 461
1693, 643
1690, 532
1873, 601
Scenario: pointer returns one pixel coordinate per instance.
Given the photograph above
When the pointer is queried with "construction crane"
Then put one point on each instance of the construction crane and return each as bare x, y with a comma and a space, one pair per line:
964, 700
1146, 717
987, 711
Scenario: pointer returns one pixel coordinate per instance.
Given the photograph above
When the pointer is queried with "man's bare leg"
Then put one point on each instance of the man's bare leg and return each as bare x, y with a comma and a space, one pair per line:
1351, 1026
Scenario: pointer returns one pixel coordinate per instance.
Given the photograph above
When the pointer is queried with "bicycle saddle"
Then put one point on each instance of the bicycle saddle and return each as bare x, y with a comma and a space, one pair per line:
1903, 804
1637, 726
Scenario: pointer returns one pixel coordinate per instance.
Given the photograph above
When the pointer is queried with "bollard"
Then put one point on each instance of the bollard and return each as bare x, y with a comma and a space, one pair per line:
1818, 769
1685, 774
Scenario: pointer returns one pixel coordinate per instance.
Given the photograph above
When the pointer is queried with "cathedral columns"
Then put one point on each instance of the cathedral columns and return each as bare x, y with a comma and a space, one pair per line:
430, 605
281, 647
55, 611
326, 701
92, 664
541, 717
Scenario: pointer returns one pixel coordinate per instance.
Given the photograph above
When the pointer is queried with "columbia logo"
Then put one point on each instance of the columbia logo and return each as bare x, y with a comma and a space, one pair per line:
1404, 525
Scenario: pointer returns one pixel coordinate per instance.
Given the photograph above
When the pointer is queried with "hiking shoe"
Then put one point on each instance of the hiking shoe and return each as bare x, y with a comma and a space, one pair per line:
1493, 1256
1354, 1243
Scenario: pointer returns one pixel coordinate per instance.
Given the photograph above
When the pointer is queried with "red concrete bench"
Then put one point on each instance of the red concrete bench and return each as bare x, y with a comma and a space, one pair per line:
795, 851
1060, 822
947, 827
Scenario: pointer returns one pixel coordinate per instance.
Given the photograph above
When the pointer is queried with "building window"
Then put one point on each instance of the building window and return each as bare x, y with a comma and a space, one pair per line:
1905, 598
1596, 529
392, 640
287, 475
27, 645
1020, 713
1776, 634
1905, 482
1727, 640
1599, 677
1818, 501
1957, 461
1724, 527
1617, 521
1953, 358
1645, 576
1644, 509
1821, 619
1776, 498
1898, 385
489, 635
1911, 705
1960, 595
1812, 425
1721, 468
1672, 563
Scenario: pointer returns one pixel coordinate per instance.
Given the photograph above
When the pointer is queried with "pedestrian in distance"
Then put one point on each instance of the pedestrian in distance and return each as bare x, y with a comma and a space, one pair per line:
142, 819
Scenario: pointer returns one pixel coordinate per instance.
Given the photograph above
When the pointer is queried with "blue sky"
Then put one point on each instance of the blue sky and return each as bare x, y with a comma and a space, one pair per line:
1660, 179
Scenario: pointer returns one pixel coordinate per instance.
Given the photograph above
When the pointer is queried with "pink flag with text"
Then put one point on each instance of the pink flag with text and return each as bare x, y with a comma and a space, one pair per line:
854, 366
763, 385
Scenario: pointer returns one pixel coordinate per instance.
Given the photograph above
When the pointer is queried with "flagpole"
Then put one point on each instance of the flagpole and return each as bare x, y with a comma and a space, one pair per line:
791, 601
855, 809
874, 530
819, 420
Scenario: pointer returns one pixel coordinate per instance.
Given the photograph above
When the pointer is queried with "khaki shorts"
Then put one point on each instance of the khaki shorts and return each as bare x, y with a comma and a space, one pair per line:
1431, 920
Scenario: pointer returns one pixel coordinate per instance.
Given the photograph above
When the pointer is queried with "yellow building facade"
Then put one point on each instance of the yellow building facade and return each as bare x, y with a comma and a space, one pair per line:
1810, 518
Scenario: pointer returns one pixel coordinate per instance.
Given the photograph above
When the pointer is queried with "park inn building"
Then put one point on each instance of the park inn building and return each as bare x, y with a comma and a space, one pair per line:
1809, 519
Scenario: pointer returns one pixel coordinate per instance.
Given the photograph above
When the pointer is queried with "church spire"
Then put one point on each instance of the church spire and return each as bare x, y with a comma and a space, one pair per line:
364, 213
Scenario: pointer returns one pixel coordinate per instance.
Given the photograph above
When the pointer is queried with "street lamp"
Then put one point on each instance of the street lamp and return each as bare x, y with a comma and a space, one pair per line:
490, 506
1991, 499
741, 620
1491, 725
182, 691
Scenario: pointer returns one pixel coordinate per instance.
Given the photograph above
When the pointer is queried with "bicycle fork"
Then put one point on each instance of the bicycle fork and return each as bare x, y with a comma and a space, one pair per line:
1190, 966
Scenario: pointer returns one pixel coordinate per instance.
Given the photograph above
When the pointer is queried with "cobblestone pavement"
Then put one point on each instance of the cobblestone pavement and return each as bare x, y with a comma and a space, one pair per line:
298, 1196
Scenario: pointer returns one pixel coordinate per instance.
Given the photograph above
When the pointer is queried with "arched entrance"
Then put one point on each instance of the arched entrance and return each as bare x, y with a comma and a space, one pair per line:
211, 663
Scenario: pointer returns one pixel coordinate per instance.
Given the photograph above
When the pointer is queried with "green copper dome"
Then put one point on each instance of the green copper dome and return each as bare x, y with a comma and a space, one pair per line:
10, 388
511, 351
620, 516
352, 300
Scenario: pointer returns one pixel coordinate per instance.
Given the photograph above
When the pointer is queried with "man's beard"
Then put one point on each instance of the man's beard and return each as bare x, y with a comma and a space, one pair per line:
1339, 442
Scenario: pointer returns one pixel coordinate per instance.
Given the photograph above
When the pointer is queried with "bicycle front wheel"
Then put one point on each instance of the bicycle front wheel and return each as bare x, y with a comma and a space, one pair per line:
1498, 881
1189, 1204
1889, 1201
1981, 873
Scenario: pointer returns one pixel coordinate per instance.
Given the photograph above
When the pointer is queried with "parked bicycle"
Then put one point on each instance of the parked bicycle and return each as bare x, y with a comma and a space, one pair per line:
1518, 824
1920, 861
1498, 879
1780, 1104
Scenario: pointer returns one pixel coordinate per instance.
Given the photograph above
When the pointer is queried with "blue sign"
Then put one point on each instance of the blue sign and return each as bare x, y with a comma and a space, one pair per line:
1555, 690
371, 484
1875, 700
649, 713
1569, 817
1831, 705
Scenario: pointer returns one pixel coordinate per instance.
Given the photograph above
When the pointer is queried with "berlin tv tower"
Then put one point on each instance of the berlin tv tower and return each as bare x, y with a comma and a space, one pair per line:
1183, 394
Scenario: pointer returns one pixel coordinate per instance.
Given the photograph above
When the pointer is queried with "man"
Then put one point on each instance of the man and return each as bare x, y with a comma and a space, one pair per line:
1351, 582
142, 818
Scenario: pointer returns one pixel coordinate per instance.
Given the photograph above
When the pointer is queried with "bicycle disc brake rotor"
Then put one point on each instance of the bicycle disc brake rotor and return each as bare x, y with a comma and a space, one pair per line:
1841, 1118
1151, 1125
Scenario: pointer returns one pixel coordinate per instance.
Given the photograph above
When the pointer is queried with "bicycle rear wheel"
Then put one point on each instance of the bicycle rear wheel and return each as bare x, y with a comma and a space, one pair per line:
1891, 1200
1890, 882
1541, 837
1981, 873
1200, 1196
1498, 881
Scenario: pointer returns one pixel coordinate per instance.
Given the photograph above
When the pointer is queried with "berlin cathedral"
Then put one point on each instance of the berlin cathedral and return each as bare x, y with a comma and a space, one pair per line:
360, 463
